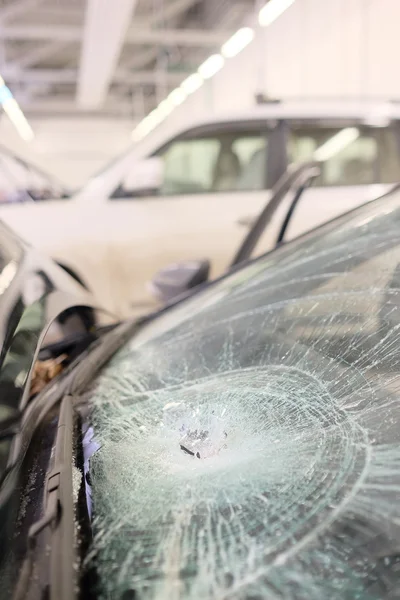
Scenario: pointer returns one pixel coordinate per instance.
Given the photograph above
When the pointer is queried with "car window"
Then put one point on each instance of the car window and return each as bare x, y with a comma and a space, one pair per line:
353, 155
216, 163
248, 441
189, 166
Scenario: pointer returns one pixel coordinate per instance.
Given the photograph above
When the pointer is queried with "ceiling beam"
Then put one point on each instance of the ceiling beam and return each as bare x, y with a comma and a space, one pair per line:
43, 51
106, 24
64, 105
143, 77
163, 37
70, 33
172, 37
60, 76
170, 11
15, 74
16, 8
61, 11
140, 58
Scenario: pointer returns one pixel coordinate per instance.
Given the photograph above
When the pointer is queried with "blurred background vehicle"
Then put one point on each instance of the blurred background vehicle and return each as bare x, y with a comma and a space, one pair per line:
213, 107
157, 205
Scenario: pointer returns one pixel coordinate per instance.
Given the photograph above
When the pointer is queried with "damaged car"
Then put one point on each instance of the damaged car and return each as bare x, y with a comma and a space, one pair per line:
241, 443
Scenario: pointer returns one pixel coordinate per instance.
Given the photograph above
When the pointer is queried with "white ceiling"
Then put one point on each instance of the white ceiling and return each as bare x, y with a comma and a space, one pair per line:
108, 57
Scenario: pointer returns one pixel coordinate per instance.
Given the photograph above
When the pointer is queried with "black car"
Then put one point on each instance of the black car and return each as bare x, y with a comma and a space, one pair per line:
242, 443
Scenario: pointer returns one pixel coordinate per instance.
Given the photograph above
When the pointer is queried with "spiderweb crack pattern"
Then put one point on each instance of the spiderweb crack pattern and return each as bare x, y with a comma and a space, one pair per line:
288, 383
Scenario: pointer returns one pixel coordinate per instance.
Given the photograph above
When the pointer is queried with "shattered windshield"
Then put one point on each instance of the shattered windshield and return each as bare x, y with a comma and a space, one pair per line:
249, 441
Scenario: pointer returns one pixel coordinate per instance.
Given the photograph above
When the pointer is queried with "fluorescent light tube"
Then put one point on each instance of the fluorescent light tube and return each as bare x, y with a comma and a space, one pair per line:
17, 117
192, 83
272, 10
165, 107
177, 96
211, 66
237, 42
145, 126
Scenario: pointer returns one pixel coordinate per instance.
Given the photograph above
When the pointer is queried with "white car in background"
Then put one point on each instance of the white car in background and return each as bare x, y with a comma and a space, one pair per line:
194, 193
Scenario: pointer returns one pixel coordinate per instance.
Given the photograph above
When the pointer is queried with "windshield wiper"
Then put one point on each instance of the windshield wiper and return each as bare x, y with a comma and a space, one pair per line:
58, 518
73, 345
101, 353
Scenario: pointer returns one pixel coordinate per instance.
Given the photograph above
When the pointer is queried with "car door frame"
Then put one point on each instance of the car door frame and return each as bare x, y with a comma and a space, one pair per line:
270, 129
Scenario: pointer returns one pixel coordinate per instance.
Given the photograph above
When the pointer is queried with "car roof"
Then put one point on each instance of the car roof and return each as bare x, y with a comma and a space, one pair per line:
375, 113
309, 109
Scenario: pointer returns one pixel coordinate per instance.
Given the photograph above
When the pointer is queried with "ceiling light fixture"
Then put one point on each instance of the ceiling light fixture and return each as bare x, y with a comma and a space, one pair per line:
14, 112
145, 126
272, 10
17, 117
336, 143
177, 97
237, 42
165, 107
212, 65
153, 119
192, 83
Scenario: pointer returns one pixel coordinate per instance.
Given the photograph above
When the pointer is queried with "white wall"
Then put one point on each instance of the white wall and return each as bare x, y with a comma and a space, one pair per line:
71, 149
341, 48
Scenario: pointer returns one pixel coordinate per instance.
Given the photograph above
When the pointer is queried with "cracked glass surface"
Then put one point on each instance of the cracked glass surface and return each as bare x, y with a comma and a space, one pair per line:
249, 439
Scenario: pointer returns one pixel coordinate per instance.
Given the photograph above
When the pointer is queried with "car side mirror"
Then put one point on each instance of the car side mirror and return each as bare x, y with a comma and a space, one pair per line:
178, 278
145, 176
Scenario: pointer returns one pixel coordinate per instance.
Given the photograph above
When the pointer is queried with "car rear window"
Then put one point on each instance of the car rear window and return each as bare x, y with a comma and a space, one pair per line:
248, 441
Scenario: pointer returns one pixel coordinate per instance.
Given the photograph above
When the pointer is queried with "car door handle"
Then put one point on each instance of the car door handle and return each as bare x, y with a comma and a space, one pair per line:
246, 221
